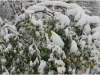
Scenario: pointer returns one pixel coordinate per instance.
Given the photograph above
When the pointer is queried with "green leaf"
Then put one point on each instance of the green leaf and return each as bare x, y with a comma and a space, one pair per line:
48, 31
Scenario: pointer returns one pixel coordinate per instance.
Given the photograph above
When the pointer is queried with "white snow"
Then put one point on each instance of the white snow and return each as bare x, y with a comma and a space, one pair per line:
74, 11
29, 11
59, 62
55, 42
1, 21
41, 66
3, 60
9, 47
36, 8
8, 36
95, 29
31, 63
64, 20
57, 49
84, 37
59, 3
73, 71
15, 51
87, 29
72, 6
6, 30
89, 39
87, 11
69, 69
83, 20
37, 33
71, 12
98, 70
57, 39
50, 72
12, 27
95, 19
51, 57
78, 16
31, 50
6, 71
61, 70
64, 55
82, 43
49, 46
36, 22
20, 45
30, 47
97, 42
19, 18
2, 32
73, 47
20, 52
96, 35
67, 32
36, 61
13, 69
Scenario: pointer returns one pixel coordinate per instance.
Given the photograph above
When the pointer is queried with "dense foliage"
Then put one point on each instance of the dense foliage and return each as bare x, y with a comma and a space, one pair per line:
47, 41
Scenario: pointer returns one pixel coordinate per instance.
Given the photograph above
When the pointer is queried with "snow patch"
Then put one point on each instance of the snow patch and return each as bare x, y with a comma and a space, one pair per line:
41, 67
57, 39
73, 47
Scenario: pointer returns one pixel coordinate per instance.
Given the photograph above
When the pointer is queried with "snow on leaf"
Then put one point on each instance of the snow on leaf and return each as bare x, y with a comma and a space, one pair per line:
36, 22
89, 39
9, 47
59, 3
59, 62
67, 32
57, 49
78, 16
73, 47
31, 63
13, 69
3, 60
95, 19
57, 39
60, 48
87, 29
41, 67
36, 61
1, 21
96, 29
82, 43
31, 50
61, 70
19, 18
83, 20
6, 71
64, 20
96, 35
8, 36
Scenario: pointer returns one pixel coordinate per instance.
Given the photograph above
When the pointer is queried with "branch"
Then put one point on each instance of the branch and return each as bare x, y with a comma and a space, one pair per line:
45, 13
59, 3
26, 41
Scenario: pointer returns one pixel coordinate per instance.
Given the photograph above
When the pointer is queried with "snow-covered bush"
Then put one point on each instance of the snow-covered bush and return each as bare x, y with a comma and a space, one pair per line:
50, 38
